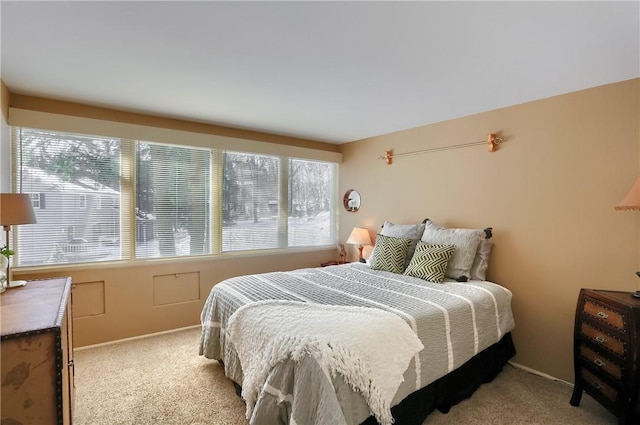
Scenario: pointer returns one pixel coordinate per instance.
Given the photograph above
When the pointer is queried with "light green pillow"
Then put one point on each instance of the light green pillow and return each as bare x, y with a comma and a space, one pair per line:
390, 253
430, 261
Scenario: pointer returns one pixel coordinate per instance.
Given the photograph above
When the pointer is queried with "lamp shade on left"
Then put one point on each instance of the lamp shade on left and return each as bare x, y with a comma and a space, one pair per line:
16, 208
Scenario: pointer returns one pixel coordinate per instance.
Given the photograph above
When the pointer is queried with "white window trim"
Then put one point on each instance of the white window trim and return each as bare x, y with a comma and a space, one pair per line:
72, 124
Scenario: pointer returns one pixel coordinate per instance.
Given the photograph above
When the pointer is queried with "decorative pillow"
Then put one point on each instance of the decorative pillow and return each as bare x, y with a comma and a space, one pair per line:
430, 261
390, 253
466, 242
488, 231
481, 262
404, 231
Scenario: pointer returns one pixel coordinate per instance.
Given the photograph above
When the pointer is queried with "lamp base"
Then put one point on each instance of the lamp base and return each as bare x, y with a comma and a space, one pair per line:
17, 283
360, 259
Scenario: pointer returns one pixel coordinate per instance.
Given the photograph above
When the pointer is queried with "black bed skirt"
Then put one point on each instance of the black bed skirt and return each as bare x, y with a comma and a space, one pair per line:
451, 389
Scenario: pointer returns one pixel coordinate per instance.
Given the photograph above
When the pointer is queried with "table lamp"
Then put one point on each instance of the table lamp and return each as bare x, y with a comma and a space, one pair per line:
631, 202
359, 236
15, 208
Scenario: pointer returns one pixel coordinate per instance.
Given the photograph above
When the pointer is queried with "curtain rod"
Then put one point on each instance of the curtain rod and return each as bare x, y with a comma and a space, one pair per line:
492, 141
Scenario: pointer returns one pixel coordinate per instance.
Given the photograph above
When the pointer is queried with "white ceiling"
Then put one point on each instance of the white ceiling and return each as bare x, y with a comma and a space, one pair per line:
328, 71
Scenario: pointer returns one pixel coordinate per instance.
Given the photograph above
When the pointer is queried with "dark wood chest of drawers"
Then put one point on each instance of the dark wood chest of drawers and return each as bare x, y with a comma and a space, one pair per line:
606, 353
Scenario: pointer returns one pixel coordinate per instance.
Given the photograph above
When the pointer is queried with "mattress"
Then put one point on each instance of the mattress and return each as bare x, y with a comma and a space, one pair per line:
454, 321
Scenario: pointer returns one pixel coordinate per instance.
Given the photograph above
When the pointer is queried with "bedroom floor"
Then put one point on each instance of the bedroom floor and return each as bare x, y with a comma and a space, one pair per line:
162, 380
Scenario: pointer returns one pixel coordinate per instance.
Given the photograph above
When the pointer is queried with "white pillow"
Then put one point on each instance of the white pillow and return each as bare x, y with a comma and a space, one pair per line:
481, 262
466, 242
403, 231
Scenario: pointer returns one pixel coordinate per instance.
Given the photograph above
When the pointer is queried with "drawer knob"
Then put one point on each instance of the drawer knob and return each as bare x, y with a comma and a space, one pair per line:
598, 362
602, 315
601, 339
596, 385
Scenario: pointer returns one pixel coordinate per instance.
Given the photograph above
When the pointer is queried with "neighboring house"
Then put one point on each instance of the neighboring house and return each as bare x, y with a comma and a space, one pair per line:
81, 218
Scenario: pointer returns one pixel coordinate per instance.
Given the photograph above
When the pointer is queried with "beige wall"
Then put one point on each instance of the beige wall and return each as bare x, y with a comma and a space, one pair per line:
116, 302
548, 192
79, 110
4, 135
4, 100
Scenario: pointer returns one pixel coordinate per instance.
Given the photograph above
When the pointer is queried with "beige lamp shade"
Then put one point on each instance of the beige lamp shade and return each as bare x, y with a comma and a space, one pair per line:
359, 236
16, 208
632, 200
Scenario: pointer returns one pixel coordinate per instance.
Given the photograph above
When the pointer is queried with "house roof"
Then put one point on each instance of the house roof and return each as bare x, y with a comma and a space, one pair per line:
43, 181
328, 71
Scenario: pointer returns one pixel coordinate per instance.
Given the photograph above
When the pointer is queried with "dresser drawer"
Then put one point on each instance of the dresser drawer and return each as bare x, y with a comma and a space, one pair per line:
605, 314
598, 385
603, 339
606, 352
599, 361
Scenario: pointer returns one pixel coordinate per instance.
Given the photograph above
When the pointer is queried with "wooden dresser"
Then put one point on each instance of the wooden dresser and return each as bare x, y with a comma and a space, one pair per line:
606, 352
37, 353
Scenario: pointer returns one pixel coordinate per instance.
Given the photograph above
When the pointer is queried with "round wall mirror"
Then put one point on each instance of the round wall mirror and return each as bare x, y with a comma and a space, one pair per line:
351, 200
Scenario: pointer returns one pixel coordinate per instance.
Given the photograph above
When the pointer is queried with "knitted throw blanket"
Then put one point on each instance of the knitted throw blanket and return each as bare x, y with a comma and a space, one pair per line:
370, 348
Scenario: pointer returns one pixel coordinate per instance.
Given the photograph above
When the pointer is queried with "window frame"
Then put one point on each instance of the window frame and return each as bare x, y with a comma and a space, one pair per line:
126, 200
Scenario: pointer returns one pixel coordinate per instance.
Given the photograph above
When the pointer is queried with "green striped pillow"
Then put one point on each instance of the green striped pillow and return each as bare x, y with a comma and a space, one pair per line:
390, 253
430, 261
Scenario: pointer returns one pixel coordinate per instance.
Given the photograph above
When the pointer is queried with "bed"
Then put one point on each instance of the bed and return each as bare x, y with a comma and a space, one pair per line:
464, 329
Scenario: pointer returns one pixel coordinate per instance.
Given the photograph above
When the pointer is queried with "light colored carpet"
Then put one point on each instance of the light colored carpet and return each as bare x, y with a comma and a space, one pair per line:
162, 380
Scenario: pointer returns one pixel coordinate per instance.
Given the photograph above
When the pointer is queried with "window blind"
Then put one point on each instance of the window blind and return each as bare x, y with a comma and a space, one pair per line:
250, 201
311, 195
74, 184
172, 201
102, 199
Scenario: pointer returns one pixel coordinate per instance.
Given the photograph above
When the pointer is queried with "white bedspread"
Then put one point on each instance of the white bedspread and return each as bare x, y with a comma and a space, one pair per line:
371, 362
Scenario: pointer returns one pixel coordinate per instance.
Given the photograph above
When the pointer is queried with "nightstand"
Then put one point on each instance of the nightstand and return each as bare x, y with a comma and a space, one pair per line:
606, 355
331, 263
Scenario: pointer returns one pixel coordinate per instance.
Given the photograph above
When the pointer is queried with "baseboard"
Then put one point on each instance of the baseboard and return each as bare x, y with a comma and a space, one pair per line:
117, 341
512, 363
538, 373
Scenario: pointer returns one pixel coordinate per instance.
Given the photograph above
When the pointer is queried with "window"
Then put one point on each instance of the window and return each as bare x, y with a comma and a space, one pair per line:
258, 214
250, 202
172, 201
108, 201
37, 200
310, 203
72, 171
120, 199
